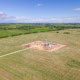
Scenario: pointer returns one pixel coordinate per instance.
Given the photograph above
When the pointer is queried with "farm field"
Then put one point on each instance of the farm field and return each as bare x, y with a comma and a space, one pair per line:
16, 32
41, 65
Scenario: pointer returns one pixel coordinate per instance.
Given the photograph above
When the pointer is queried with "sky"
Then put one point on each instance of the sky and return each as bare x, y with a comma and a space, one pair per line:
39, 11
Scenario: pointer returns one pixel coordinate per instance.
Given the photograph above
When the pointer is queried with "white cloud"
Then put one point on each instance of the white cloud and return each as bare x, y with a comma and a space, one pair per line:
38, 5
4, 18
52, 20
76, 9
2, 14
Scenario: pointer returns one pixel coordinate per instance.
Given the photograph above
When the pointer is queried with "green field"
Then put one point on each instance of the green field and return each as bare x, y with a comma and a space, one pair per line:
17, 32
10, 30
40, 65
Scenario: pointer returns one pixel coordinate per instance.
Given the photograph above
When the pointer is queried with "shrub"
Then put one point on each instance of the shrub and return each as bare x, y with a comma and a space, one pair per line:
66, 33
57, 32
27, 32
16, 34
4, 36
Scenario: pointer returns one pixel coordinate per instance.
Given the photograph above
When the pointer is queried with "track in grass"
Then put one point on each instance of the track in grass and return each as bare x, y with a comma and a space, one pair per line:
13, 52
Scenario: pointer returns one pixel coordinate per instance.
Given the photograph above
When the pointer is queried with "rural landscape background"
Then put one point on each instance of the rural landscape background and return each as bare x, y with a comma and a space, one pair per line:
25, 21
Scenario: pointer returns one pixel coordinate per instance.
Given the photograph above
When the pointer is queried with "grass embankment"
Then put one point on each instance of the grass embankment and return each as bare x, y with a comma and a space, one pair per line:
16, 32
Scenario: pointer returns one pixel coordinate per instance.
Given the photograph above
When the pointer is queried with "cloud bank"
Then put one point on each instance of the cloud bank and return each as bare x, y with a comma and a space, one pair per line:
76, 9
4, 18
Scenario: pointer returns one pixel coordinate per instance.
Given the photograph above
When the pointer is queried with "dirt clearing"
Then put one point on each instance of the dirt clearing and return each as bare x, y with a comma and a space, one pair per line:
44, 45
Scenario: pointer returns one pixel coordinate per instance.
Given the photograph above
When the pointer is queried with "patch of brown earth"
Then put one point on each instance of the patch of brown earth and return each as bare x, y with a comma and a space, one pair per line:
46, 46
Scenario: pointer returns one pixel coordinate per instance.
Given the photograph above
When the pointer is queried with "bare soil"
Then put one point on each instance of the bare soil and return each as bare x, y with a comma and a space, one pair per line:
40, 45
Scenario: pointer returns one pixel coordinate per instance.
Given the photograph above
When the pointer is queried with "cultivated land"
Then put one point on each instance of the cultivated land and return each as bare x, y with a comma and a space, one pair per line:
41, 65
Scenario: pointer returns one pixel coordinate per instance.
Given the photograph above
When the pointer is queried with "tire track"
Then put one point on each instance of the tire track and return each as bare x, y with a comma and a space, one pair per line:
14, 52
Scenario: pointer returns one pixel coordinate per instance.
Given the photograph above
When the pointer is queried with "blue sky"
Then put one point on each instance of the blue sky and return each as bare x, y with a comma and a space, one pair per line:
35, 11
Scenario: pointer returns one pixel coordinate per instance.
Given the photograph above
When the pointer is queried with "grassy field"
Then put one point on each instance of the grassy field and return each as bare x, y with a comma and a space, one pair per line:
40, 65
16, 32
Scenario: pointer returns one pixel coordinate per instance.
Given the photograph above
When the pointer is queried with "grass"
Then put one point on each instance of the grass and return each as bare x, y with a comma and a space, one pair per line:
74, 64
8, 33
40, 65
16, 32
